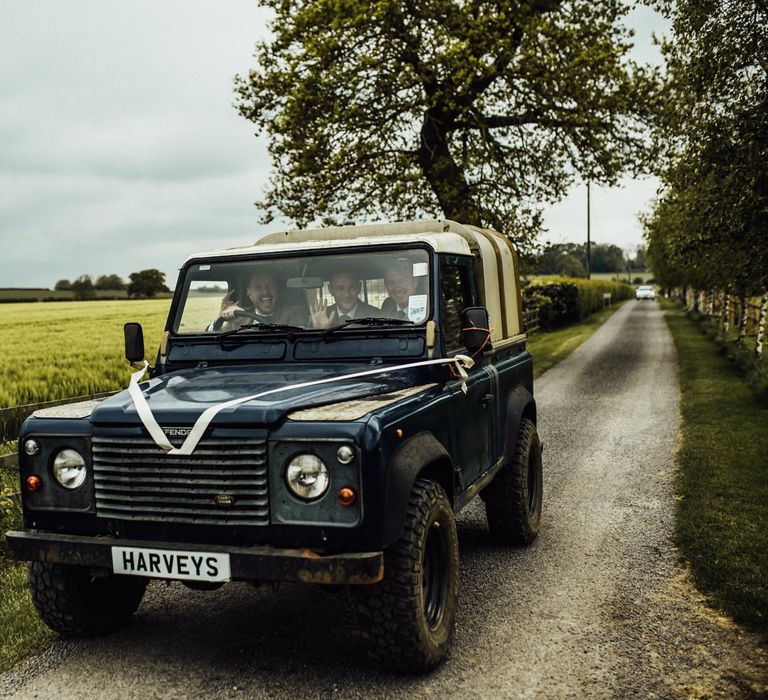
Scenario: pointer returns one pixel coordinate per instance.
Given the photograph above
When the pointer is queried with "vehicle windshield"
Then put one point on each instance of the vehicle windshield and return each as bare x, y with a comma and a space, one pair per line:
313, 292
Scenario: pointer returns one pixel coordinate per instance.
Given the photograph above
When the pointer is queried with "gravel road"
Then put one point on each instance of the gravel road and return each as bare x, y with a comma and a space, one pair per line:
599, 606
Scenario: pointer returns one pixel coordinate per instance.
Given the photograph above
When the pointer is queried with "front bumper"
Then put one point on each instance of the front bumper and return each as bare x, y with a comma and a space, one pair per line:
257, 563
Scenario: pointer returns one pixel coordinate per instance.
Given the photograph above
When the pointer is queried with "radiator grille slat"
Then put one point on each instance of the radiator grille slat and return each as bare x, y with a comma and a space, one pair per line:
223, 482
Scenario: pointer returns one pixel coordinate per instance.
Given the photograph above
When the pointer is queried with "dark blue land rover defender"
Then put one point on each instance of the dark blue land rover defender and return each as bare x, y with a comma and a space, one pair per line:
322, 405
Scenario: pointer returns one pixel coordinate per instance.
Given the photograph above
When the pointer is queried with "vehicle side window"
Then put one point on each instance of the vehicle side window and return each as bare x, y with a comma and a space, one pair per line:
455, 296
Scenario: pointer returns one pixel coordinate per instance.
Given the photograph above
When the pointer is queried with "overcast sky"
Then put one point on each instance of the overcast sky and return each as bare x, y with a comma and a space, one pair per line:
120, 149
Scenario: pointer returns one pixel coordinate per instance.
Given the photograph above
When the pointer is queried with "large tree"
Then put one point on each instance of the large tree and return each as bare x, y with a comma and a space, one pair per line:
477, 110
147, 283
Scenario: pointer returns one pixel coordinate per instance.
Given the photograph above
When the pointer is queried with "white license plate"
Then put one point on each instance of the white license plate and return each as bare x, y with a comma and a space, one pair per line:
167, 563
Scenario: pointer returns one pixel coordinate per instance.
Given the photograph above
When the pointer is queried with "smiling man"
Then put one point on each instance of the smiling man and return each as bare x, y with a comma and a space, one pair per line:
345, 288
401, 286
265, 307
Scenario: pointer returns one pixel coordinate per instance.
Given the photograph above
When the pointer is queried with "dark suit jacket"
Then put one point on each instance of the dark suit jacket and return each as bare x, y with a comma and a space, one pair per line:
287, 315
284, 315
389, 308
363, 310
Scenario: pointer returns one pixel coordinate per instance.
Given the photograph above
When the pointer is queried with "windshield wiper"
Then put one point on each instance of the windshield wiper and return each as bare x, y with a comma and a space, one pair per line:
259, 327
368, 321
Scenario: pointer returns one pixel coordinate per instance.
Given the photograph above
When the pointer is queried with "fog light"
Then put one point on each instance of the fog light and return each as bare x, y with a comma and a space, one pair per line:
347, 496
345, 454
69, 469
31, 447
34, 483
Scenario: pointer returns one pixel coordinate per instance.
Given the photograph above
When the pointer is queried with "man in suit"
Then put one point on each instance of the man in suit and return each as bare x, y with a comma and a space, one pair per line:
401, 285
344, 287
265, 307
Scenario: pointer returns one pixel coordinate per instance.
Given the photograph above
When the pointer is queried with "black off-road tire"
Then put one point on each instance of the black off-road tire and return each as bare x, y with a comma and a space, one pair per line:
75, 604
513, 499
408, 618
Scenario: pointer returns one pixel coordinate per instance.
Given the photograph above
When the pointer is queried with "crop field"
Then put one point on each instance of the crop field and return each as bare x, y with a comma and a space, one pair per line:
622, 276
57, 350
618, 276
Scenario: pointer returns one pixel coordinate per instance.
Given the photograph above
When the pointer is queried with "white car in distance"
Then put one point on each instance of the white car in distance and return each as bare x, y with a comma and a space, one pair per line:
645, 291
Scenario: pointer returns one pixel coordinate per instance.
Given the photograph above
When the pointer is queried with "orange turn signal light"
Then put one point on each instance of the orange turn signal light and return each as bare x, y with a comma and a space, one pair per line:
34, 483
399, 432
347, 496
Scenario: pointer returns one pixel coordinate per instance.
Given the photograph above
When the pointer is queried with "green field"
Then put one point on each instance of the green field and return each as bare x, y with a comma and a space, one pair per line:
56, 350
622, 276
618, 276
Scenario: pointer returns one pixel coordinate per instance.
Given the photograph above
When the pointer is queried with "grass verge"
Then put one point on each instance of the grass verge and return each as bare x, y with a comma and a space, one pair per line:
722, 481
549, 347
21, 631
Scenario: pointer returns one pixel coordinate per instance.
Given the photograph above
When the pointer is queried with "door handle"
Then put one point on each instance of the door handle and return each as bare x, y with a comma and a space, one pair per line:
486, 399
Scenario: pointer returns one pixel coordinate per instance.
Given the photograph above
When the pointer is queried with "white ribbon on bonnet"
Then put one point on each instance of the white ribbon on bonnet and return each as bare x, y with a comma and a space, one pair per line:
461, 362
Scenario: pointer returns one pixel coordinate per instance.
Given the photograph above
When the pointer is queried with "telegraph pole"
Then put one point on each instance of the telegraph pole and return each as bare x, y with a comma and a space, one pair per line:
589, 240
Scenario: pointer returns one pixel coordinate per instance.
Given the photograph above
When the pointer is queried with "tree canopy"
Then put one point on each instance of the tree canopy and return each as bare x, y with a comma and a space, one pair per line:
83, 287
147, 283
112, 282
478, 110
709, 227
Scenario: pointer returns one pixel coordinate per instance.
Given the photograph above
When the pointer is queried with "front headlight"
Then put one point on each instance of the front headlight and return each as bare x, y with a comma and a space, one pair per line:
69, 468
307, 477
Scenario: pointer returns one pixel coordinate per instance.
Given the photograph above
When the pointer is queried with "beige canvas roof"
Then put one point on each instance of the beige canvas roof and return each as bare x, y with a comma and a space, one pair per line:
496, 262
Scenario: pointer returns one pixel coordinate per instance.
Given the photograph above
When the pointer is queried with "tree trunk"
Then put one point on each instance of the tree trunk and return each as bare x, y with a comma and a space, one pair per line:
761, 325
711, 302
743, 308
726, 314
443, 173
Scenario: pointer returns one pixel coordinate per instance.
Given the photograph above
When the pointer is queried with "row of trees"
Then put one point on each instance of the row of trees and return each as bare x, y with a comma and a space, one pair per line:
145, 283
570, 259
85, 282
709, 228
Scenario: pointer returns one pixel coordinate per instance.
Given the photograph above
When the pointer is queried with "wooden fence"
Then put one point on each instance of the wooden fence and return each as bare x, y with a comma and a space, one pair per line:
728, 310
531, 321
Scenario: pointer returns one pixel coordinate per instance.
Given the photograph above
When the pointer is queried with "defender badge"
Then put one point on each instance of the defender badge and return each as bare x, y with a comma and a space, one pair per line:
224, 500
177, 432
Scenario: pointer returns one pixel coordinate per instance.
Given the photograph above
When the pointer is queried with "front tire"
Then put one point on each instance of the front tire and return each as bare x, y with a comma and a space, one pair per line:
75, 604
513, 499
408, 618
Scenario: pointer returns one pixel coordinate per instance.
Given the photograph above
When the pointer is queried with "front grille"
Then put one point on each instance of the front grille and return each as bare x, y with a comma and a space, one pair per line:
136, 480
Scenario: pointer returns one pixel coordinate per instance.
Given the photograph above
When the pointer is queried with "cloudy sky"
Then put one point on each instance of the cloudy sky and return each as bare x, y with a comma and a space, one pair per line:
120, 149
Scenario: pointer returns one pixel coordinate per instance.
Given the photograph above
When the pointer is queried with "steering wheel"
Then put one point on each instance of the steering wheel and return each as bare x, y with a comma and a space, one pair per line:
247, 314
219, 322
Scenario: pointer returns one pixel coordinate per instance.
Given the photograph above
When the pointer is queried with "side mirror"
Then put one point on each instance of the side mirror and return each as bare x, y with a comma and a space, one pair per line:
134, 342
475, 329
